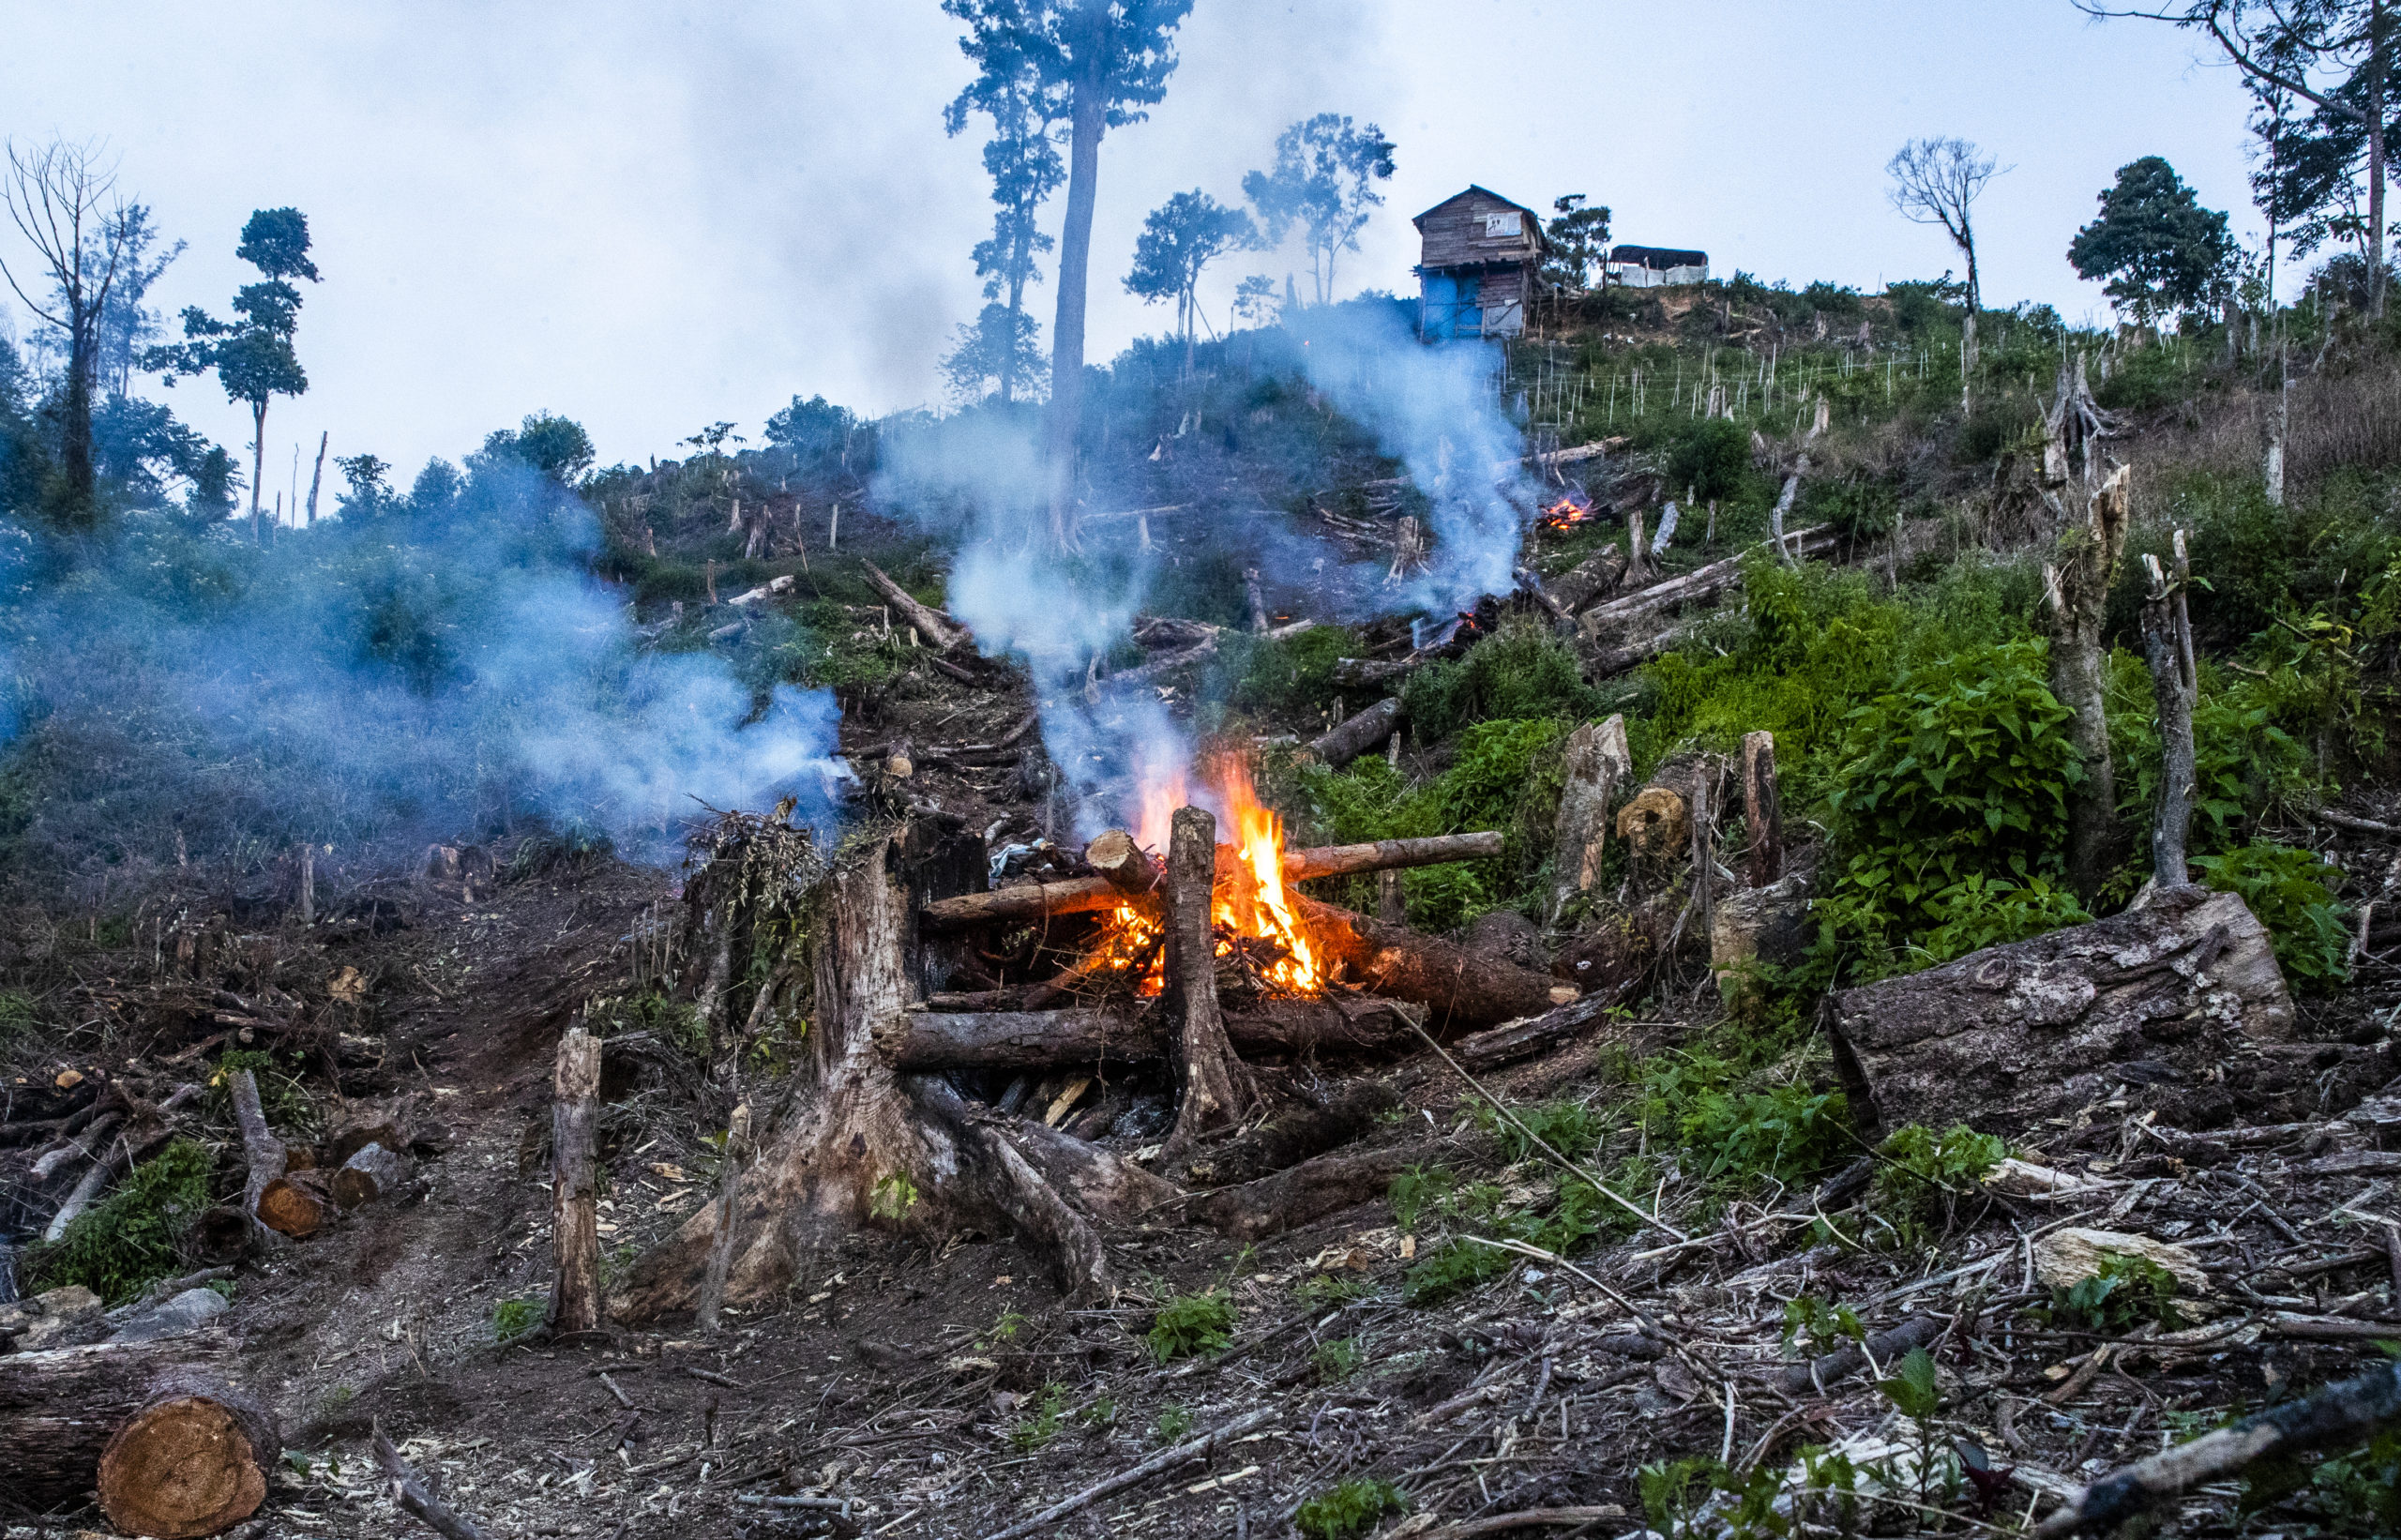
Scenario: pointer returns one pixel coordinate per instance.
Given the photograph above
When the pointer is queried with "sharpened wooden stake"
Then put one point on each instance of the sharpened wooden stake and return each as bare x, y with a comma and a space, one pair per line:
729, 1187
575, 1219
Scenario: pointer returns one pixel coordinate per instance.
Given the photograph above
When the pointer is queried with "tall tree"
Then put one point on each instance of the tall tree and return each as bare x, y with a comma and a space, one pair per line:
1001, 346
1180, 238
1110, 58
2160, 249
252, 355
1022, 158
61, 198
2336, 54
1578, 239
1937, 181
1323, 180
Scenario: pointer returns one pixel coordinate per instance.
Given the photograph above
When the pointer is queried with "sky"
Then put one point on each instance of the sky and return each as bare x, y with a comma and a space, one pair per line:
652, 217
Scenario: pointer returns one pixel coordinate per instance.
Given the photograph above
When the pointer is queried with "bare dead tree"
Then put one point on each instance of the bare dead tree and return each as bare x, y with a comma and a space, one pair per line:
61, 199
2167, 647
1937, 181
2334, 55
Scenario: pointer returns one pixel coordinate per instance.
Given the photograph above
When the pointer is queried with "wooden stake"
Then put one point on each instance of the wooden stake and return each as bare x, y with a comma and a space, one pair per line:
729, 1186
575, 1233
1762, 812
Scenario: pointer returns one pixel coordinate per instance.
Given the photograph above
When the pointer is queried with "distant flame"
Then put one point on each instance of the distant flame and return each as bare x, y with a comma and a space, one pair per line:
1567, 512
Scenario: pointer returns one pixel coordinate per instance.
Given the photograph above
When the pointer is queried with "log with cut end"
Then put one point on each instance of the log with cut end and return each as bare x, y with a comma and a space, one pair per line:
373, 1171
59, 1409
1127, 866
928, 1041
297, 1204
931, 624
264, 1153
1346, 741
1694, 587
1464, 989
1033, 901
193, 1461
2183, 989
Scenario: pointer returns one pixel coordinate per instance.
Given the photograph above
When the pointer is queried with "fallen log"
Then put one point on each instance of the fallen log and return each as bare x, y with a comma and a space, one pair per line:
59, 1408
264, 1154
2338, 1417
936, 627
1821, 1373
1302, 1195
2188, 986
1358, 672
1464, 988
1346, 741
1586, 582
1696, 586
1514, 1040
928, 1041
1608, 662
373, 1171
1082, 895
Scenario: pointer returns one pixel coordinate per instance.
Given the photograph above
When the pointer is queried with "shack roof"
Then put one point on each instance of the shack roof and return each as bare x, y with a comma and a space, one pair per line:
1478, 192
1659, 258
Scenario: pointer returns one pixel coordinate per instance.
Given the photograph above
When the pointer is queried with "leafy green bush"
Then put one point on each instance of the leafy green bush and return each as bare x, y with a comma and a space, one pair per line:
17, 1020
1978, 912
1709, 460
1192, 1323
2243, 762
1321, 1289
1520, 670
513, 1317
128, 1240
674, 1022
1925, 1173
1961, 770
1349, 1509
2123, 1292
1570, 1128
1700, 1101
1258, 673
2292, 892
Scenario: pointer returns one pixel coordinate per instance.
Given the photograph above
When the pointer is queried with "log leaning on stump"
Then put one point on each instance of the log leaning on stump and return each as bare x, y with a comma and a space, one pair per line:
62, 1410
1033, 901
2182, 989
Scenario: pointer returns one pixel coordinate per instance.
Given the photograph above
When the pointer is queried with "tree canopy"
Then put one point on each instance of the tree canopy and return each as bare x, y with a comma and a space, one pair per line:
1178, 239
1324, 181
2159, 249
1579, 238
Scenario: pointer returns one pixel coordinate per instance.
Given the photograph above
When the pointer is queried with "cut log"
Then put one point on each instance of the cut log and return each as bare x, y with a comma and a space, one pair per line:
575, 1184
373, 1171
58, 1408
1598, 763
1303, 1195
2184, 988
865, 1142
925, 1042
936, 627
194, 1461
296, 1204
1289, 1138
1082, 895
1607, 662
1697, 586
1464, 988
1367, 672
1515, 1040
1529, 583
1589, 580
1126, 866
264, 1153
1762, 808
1210, 1086
1346, 741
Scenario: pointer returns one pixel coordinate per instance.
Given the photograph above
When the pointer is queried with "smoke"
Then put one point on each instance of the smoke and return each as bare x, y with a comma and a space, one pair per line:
977, 480
445, 671
1437, 411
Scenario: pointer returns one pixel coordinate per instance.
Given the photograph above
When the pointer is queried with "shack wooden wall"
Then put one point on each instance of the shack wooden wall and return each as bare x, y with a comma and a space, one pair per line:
1453, 232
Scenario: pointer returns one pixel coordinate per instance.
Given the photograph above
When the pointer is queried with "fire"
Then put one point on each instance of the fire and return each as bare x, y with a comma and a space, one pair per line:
1255, 904
1567, 513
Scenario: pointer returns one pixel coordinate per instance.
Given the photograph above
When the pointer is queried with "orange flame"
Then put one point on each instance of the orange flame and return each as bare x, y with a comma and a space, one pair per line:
1254, 904
1567, 513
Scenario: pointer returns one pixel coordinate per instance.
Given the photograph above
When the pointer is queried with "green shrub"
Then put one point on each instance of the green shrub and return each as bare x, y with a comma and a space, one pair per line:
128, 1240
1041, 1425
1815, 1325
1192, 1323
1709, 460
2123, 1292
1295, 674
513, 1317
674, 1022
1924, 1173
1337, 1360
1978, 912
1701, 1100
1520, 670
1174, 1421
2292, 892
1570, 1128
2244, 764
17, 1019
1324, 1290
1349, 1509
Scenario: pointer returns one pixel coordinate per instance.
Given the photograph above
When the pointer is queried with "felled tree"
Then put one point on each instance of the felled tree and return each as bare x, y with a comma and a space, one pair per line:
252, 355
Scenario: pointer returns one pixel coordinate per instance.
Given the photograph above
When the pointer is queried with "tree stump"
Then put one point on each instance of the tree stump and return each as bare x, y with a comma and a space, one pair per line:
2184, 991
865, 1142
1598, 762
575, 1184
1210, 1086
1762, 808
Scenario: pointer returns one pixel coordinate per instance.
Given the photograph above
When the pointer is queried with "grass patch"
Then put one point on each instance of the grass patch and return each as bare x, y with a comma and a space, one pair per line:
513, 1317
128, 1240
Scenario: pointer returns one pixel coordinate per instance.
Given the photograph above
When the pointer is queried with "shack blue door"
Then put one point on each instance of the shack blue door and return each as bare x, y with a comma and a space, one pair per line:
1452, 307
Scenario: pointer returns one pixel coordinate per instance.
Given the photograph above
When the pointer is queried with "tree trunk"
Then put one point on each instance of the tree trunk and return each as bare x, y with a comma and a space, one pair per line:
1089, 119
937, 628
1598, 763
1464, 989
575, 1184
1255, 600
1762, 808
195, 1460
2087, 564
317, 476
75, 429
2001, 1038
865, 1142
1700, 585
1211, 1085
2377, 65
1350, 739
2167, 647
1127, 866
59, 1409
258, 461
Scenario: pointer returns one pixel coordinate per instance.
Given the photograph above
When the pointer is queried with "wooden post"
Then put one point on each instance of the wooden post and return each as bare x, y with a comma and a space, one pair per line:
1701, 861
1257, 601
308, 885
1598, 762
1762, 812
1206, 1094
2166, 645
729, 1186
575, 1233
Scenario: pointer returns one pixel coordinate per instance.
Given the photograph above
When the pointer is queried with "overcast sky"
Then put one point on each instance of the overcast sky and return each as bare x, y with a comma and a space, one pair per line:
652, 217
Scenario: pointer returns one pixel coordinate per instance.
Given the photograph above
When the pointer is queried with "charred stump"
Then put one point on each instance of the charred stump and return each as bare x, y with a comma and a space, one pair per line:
1211, 1085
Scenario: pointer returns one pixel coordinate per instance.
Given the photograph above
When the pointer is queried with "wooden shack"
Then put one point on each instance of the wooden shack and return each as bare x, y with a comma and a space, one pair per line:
1476, 265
